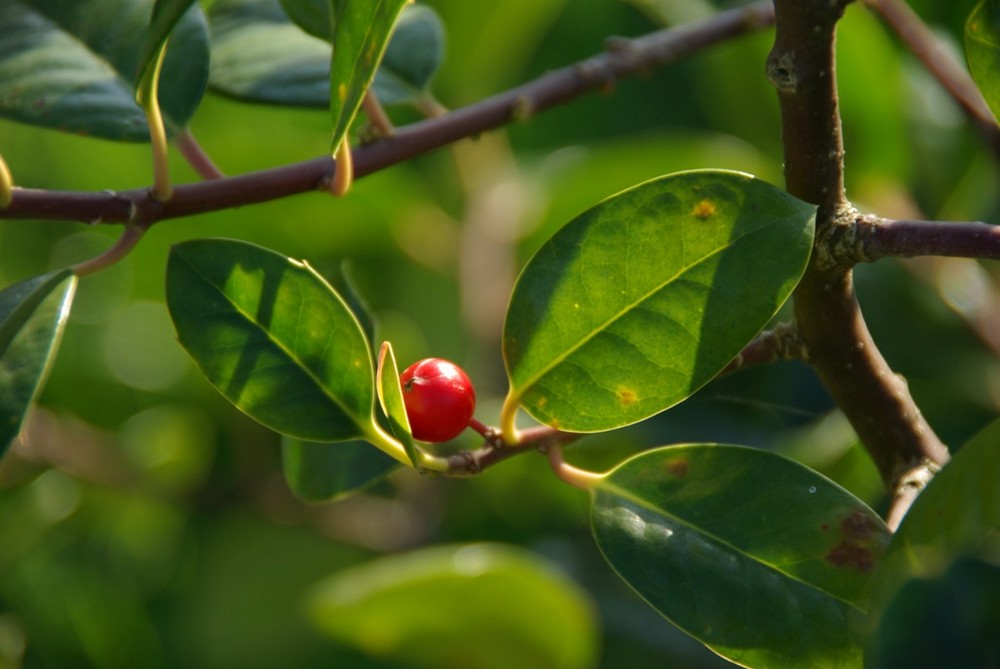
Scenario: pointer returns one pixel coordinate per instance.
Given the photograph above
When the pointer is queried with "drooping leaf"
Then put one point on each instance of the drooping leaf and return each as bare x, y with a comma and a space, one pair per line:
33, 315
274, 338
638, 302
324, 472
166, 15
982, 50
361, 32
71, 65
957, 514
763, 560
390, 396
260, 56
479, 606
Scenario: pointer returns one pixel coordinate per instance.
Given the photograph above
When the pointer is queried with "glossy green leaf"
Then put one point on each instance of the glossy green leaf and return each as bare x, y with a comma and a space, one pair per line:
312, 16
638, 302
480, 606
361, 33
982, 50
390, 397
261, 56
33, 315
957, 514
274, 338
760, 558
71, 65
326, 471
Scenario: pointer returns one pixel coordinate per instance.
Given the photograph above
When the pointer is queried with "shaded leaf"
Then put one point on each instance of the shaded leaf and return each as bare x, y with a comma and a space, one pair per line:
274, 338
982, 50
480, 606
361, 33
325, 471
260, 56
166, 14
763, 560
415, 53
638, 302
71, 65
951, 620
957, 514
390, 396
33, 315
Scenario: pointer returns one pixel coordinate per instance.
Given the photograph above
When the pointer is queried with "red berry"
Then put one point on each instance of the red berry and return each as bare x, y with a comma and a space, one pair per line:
439, 399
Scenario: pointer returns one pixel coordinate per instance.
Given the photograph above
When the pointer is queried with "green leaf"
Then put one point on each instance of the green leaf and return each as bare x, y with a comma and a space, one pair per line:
480, 606
166, 15
638, 302
982, 50
390, 397
324, 471
274, 338
33, 315
71, 65
957, 514
361, 33
260, 56
763, 560
961, 607
312, 16
415, 53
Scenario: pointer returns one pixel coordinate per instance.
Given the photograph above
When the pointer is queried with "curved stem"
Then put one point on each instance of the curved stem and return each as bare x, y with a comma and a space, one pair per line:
508, 419
6, 184
376, 115
196, 156
388, 444
121, 248
343, 171
579, 478
147, 97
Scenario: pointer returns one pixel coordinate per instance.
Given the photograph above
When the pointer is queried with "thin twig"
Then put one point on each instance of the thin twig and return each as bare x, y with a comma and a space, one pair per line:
598, 73
941, 63
781, 343
196, 156
121, 248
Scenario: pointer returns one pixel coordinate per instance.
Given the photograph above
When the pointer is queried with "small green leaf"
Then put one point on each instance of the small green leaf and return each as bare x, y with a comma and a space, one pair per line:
982, 50
638, 302
274, 338
390, 396
71, 65
324, 472
763, 560
361, 33
415, 53
166, 15
957, 514
312, 16
480, 606
33, 315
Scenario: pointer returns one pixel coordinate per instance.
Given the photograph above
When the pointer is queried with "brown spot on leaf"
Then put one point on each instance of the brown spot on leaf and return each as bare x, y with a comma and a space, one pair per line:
704, 210
678, 467
850, 555
860, 544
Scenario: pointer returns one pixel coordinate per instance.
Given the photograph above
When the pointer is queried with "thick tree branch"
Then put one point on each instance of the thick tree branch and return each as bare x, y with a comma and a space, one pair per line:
941, 63
624, 58
875, 400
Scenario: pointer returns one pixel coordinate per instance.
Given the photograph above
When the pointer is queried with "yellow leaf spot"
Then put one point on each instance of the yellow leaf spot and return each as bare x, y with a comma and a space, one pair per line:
704, 210
627, 397
342, 92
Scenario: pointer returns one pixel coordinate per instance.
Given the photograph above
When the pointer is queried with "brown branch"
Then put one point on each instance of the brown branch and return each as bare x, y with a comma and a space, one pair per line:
874, 238
624, 58
781, 343
494, 451
939, 61
875, 400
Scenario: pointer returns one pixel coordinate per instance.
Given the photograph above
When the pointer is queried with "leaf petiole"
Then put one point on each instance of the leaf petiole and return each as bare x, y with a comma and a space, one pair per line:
146, 96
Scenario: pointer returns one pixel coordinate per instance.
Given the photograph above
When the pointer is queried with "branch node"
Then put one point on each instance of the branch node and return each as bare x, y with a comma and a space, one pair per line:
842, 242
782, 72
905, 489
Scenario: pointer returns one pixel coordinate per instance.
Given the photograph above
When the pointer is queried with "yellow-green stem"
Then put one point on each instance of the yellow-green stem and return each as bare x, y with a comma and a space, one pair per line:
387, 443
6, 184
343, 170
579, 478
508, 419
147, 96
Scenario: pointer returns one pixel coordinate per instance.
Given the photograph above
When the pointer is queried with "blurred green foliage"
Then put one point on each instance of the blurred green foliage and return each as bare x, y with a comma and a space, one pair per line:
145, 522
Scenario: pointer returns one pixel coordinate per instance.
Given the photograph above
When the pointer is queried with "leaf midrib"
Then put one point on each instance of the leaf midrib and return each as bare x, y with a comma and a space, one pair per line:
277, 343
